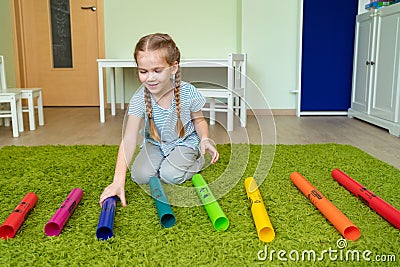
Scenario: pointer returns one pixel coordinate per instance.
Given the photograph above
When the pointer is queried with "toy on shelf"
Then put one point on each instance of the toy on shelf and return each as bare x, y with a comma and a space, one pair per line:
384, 209
378, 4
54, 226
106, 221
14, 221
260, 216
165, 213
215, 213
330, 211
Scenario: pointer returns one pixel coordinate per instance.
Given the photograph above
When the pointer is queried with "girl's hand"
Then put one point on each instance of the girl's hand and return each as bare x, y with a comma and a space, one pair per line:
113, 189
206, 144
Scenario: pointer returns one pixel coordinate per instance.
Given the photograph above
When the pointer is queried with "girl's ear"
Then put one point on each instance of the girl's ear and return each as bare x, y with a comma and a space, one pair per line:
174, 67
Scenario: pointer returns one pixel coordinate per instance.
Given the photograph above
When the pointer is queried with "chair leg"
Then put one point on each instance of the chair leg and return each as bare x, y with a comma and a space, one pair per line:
243, 115
40, 109
212, 111
20, 117
236, 105
7, 122
31, 112
14, 119
230, 114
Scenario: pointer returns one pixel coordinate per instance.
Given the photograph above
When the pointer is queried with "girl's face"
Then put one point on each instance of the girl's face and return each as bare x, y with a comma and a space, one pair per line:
155, 72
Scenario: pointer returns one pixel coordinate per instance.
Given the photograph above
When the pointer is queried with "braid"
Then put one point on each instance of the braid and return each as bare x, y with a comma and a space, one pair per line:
177, 92
149, 113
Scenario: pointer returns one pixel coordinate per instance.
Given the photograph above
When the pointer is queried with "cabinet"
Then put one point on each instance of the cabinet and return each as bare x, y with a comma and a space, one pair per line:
376, 86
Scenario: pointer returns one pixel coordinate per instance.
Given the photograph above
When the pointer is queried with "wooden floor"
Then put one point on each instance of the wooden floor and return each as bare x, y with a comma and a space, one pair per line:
71, 126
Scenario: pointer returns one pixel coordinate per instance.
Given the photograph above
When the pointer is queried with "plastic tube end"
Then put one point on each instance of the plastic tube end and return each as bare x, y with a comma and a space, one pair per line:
104, 233
168, 220
351, 233
6, 231
52, 229
221, 224
266, 234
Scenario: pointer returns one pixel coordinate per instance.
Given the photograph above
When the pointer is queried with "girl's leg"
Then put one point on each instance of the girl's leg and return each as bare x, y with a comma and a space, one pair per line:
146, 163
180, 165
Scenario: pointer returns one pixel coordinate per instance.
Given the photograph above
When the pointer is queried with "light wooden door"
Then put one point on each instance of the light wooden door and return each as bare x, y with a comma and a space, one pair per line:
58, 47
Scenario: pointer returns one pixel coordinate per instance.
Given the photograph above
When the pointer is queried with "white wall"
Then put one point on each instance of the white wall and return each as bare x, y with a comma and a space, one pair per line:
270, 38
266, 30
6, 42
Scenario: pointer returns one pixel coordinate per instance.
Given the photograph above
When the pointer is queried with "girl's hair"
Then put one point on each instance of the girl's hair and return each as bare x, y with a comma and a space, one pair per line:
163, 42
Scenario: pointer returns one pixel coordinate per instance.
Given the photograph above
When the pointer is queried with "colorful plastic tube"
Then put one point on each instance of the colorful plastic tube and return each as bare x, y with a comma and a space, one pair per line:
333, 214
380, 206
14, 221
54, 226
260, 216
165, 213
217, 216
106, 221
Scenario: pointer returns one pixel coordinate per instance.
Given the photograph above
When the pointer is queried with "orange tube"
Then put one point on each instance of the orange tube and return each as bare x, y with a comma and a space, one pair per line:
14, 221
333, 214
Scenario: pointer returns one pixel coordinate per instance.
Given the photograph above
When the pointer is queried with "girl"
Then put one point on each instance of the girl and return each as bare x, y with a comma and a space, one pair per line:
176, 133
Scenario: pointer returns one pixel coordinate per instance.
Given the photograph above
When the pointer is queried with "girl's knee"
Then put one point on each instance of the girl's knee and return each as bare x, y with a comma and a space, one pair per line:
171, 175
141, 177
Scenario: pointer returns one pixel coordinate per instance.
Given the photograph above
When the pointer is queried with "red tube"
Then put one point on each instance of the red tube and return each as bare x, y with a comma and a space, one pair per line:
14, 221
384, 209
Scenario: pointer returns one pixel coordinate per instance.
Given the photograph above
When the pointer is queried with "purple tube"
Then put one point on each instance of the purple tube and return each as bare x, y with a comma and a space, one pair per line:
106, 221
57, 222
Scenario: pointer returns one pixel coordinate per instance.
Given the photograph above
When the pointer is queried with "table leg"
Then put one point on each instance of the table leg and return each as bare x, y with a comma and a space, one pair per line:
122, 92
101, 94
112, 90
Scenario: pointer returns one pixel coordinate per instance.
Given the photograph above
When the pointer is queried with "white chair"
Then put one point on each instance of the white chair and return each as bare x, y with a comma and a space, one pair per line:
29, 94
234, 95
11, 99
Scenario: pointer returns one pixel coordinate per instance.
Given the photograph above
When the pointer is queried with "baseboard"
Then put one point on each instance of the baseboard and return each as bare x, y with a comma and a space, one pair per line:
269, 112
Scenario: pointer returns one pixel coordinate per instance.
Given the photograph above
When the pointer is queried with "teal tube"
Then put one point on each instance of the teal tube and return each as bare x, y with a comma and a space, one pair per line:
167, 217
217, 216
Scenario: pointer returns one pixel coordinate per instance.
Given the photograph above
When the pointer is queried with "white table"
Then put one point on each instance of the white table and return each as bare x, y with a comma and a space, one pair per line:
129, 63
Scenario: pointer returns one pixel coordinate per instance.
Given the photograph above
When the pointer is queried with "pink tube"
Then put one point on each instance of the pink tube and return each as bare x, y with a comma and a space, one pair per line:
57, 222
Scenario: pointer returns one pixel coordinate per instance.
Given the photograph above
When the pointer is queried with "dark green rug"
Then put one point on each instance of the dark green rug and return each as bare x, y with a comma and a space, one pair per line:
303, 235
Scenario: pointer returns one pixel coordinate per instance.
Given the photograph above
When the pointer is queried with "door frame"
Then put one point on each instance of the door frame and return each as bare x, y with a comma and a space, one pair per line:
18, 40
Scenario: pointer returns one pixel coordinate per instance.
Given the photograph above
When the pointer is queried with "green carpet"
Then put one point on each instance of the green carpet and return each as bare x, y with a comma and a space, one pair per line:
53, 171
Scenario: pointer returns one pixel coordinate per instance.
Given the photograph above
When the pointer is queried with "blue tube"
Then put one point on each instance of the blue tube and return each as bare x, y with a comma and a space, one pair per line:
167, 217
106, 221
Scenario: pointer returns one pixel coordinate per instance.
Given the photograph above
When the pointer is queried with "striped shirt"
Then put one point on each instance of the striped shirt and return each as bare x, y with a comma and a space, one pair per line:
165, 119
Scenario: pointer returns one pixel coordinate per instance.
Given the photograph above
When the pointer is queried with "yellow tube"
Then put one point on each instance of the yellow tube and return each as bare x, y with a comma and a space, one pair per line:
260, 216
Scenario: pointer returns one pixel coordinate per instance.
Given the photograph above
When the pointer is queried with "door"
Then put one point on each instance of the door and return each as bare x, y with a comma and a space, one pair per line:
364, 62
327, 56
58, 43
384, 97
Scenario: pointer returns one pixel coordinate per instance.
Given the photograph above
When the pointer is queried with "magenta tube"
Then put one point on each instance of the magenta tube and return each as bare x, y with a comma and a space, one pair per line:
56, 223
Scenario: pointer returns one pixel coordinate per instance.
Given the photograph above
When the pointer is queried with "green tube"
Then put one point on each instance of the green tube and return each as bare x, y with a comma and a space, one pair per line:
217, 216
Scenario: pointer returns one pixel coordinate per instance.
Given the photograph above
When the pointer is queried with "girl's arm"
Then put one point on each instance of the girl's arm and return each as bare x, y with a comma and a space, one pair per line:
201, 128
125, 154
